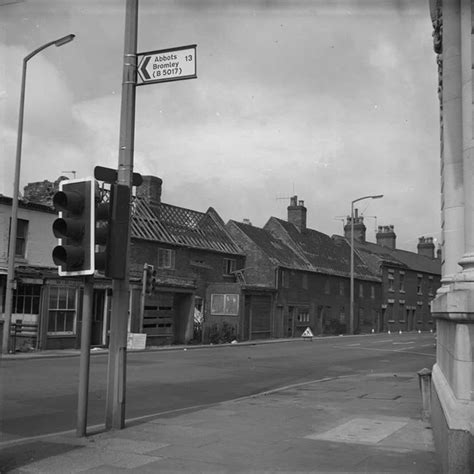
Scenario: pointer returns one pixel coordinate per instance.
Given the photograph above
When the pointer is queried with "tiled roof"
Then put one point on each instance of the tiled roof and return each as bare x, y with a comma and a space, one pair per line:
377, 255
179, 226
276, 250
309, 251
323, 253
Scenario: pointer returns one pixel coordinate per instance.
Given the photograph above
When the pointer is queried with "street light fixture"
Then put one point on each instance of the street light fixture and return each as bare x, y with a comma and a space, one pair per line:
351, 308
16, 184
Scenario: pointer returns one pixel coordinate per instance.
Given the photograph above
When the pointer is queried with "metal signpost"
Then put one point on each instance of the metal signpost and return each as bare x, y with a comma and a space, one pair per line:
156, 66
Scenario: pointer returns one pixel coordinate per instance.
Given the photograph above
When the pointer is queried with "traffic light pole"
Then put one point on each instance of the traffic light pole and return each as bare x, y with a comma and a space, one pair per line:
117, 364
84, 364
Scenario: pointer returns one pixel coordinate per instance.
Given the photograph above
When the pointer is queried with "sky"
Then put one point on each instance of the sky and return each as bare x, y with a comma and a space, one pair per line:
326, 100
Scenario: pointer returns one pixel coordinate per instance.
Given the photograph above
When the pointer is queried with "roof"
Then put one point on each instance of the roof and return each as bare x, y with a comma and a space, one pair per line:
30, 205
278, 252
323, 253
376, 255
179, 226
309, 251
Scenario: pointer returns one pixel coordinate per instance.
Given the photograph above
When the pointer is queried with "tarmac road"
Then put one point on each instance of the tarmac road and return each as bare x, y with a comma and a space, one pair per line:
39, 395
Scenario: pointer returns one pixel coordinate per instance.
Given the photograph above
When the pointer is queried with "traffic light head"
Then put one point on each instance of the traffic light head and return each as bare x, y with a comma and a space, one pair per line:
149, 278
74, 228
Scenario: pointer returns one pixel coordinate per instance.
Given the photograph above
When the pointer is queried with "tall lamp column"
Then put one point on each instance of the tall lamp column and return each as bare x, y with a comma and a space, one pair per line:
16, 185
351, 305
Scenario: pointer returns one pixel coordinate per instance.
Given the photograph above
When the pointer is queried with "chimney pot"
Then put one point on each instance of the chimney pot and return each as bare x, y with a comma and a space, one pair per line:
297, 213
386, 236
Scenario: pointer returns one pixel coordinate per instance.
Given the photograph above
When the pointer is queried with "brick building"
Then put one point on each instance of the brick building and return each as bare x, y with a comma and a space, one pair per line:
310, 274
409, 279
196, 262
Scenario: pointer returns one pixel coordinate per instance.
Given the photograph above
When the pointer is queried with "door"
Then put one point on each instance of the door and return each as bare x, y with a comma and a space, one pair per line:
261, 316
290, 322
158, 317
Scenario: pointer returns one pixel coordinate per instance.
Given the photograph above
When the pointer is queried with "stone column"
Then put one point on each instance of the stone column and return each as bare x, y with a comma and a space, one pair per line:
452, 189
452, 413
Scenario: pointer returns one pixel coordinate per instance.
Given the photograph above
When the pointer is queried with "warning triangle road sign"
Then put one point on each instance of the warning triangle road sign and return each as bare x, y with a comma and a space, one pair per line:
307, 333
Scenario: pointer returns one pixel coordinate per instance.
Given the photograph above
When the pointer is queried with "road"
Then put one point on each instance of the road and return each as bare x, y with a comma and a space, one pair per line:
39, 396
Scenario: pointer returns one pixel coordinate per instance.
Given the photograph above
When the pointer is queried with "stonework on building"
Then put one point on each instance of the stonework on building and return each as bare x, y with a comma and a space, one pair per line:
452, 401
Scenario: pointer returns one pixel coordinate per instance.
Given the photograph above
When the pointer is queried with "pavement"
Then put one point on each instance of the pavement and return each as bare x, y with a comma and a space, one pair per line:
369, 422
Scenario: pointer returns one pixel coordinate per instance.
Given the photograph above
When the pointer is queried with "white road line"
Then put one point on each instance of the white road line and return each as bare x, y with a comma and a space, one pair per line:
404, 350
408, 342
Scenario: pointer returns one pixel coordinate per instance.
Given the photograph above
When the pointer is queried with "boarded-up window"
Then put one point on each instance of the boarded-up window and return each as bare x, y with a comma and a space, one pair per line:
225, 304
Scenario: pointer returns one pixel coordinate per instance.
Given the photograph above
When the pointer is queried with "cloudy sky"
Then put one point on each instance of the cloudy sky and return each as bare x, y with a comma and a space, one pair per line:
326, 100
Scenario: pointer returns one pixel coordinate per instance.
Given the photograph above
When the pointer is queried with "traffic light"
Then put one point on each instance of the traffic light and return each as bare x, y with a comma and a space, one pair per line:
111, 232
75, 227
149, 278
102, 232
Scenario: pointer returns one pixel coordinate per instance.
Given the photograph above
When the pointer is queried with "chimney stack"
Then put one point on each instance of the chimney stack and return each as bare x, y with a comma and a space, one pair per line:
359, 227
386, 236
297, 213
426, 247
150, 190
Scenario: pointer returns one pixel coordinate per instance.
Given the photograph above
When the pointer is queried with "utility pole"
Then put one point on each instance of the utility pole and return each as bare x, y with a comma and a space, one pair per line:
117, 364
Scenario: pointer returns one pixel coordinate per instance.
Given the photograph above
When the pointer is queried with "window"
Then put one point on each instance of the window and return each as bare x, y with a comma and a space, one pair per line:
21, 235
402, 281
303, 317
61, 310
229, 266
225, 304
419, 281
342, 315
304, 281
285, 279
165, 258
341, 288
361, 290
26, 299
430, 286
327, 287
390, 282
372, 291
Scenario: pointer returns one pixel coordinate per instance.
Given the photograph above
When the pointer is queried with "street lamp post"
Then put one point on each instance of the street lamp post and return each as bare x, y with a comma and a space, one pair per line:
351, 307
16, 184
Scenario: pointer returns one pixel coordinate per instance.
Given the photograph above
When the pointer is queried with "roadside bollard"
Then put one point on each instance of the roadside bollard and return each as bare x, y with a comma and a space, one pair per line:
424, 379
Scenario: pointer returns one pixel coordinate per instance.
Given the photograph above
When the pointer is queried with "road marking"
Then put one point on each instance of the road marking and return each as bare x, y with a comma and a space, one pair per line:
393, 350
354, 344
409, 342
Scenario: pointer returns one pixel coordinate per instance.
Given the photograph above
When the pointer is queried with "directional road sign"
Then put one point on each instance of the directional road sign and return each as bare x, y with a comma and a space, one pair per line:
167, 65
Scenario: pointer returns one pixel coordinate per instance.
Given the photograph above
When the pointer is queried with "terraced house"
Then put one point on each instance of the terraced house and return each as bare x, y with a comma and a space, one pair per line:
310, 275
409, 279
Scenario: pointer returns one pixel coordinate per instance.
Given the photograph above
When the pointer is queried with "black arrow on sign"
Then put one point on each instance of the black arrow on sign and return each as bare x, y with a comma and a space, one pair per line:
142, 70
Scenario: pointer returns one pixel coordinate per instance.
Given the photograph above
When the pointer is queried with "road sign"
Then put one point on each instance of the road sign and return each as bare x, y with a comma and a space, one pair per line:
166, 65
307, 332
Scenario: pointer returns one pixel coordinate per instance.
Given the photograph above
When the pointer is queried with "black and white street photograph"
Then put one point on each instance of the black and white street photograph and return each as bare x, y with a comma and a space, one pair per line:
236, 236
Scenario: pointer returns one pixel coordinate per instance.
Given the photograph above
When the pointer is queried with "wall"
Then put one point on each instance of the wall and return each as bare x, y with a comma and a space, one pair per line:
221, 326
193, 266
397, 302
328, 309
40, 238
